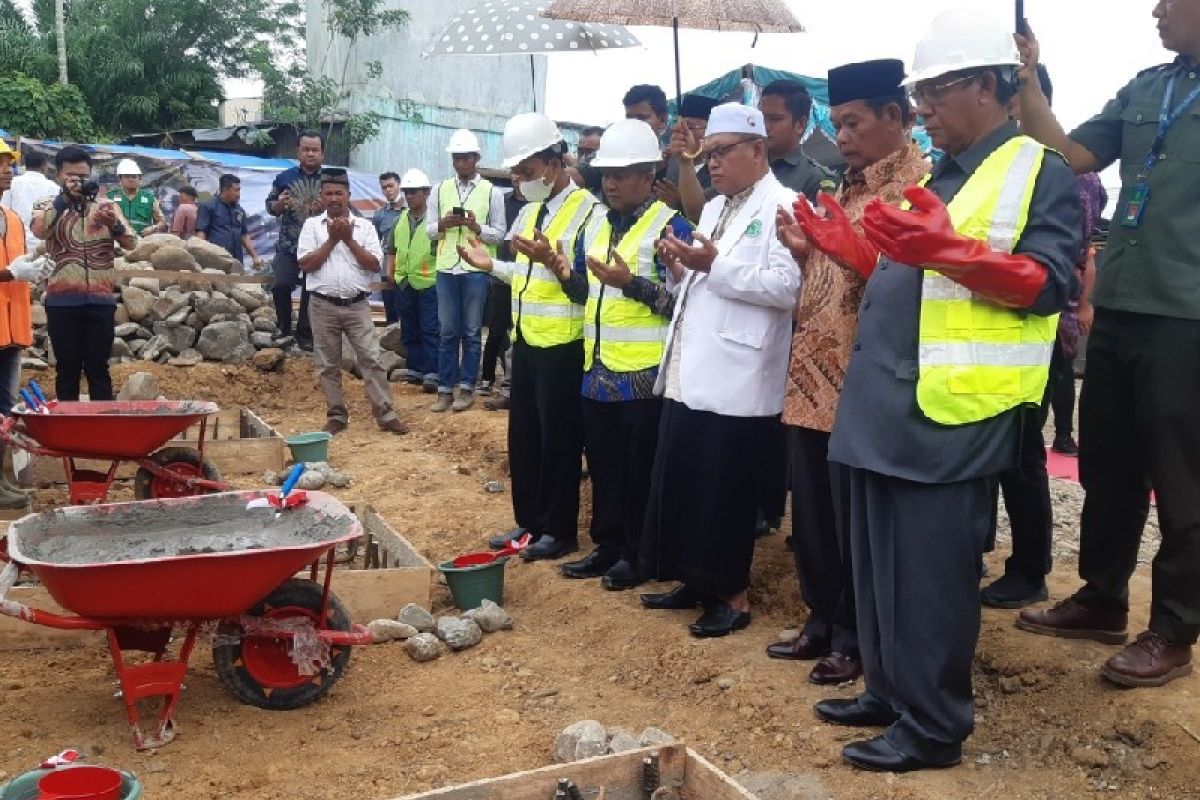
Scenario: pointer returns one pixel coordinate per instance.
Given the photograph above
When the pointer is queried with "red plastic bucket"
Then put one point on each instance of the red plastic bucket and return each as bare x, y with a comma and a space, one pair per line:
81, 783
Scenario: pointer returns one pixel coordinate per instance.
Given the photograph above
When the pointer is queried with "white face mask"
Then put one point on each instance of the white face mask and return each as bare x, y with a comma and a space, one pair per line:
537, 191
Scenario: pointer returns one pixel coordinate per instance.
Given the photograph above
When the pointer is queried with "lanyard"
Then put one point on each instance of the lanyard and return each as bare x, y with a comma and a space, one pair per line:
1167, 117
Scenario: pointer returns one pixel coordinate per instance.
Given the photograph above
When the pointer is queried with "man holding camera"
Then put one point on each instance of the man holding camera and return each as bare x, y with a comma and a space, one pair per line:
80, 233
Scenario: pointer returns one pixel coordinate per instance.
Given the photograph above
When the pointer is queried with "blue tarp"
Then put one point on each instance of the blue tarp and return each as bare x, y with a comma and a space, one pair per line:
243, 160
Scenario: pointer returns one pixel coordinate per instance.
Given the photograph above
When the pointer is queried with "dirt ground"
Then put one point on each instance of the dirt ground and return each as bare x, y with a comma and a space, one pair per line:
1047, 725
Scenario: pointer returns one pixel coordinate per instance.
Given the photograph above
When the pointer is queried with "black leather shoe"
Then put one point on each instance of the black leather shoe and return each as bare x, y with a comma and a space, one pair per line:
681, 597
1013, 591
499, 542
593, 565
802, 648
835, 668
548, 548
878, 755
719, 619
621, 576
851, 713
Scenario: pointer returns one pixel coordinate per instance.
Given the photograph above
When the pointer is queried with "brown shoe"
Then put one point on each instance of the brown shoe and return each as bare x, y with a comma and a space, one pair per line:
334, 426
835, 668
1071, 619
803, 648
1152, 660
395, 426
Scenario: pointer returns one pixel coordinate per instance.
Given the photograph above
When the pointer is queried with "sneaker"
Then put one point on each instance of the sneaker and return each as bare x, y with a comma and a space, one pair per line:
443, 403
395, 426
484, 389
283, 340
464, 401
1065, 445
334, 426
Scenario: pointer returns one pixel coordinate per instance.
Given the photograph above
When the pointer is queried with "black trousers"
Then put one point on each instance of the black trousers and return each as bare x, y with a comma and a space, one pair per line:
82, 337
821, 540
498, 321
773, 498
916, 550
1026, 490
1139, 429
545, 438
620, 440
1060, 392
286, 270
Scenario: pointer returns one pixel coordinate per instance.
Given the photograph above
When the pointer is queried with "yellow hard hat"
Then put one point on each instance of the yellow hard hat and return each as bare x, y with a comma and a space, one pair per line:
5, 150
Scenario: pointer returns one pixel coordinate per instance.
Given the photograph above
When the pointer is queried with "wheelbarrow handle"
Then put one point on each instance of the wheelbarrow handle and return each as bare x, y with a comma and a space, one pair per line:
14, 438
37, 616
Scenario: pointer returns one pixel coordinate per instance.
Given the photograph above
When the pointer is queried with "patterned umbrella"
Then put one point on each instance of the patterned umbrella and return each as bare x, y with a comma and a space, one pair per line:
499, 27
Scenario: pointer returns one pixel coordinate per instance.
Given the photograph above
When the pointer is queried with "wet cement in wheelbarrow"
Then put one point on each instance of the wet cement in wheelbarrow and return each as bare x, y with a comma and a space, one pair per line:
155, 531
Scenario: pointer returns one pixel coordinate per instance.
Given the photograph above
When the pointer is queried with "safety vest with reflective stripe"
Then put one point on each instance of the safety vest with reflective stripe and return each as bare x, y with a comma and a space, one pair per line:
543, 315
479, 203
16, 320
414, 256
625, 334
978, 359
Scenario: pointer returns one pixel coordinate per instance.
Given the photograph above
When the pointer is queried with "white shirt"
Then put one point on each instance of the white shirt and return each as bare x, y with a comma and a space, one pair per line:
491, 230
29, 188
340, 276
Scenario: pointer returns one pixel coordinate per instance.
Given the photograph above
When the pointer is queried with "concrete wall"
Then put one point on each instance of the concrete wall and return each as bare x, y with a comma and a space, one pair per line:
448, 92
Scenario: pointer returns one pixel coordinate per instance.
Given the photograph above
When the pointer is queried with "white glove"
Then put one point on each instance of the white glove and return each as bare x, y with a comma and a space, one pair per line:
32, 270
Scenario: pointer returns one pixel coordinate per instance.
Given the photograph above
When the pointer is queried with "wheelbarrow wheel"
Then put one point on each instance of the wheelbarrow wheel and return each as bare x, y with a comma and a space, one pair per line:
183, 461
259, 671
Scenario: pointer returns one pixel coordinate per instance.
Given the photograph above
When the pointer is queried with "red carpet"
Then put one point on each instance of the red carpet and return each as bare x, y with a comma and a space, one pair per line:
1063, 467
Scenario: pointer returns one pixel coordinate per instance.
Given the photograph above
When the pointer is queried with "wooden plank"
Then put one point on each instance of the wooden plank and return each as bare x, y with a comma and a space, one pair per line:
370, 594
702, 779
619, 774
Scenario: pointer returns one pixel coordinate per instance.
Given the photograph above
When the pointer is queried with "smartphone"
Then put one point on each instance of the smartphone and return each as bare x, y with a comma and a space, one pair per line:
458, 211
1022, 25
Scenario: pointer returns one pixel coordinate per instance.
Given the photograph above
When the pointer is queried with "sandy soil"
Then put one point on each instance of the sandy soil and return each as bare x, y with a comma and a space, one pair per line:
1047, 727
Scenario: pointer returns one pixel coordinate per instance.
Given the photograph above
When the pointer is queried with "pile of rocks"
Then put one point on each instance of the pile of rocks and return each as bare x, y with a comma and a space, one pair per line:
424, 636
589, 738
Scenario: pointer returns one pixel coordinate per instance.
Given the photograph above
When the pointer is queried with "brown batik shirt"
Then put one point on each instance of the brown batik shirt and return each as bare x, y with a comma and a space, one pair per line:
827, 314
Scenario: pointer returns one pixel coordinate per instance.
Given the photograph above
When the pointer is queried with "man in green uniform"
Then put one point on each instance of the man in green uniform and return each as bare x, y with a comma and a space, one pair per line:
139, 206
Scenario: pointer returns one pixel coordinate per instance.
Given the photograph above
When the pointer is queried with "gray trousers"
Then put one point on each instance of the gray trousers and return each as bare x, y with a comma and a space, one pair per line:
916, 550
329, 323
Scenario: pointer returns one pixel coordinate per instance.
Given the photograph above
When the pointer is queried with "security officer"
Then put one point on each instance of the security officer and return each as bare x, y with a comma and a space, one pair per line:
139, 206
625, 287
955, 333
1137, 413
545, 423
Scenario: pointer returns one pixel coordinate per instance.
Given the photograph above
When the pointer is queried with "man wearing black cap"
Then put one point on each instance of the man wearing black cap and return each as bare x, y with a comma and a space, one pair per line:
872, 116
340, 254
695, 185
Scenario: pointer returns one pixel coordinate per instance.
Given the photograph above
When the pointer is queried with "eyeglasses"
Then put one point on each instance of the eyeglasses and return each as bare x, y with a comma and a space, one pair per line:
722, 152
934, 94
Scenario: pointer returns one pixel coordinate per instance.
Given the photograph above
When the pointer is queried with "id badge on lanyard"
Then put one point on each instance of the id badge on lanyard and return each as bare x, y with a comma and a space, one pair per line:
1139, 196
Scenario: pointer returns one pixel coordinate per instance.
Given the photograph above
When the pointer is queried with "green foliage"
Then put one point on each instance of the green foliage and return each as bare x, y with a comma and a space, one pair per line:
31, 108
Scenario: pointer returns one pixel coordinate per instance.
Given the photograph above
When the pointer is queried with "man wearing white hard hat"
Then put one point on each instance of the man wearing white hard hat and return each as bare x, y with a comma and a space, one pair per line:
722, 376
412, 267
139, 206
954, 336
462, 207
626, 290
545, 421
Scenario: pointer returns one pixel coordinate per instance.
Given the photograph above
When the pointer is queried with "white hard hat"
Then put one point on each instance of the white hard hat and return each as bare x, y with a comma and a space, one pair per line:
962, 40
463, 141
415, 179
127, 166
626, 142
527, 134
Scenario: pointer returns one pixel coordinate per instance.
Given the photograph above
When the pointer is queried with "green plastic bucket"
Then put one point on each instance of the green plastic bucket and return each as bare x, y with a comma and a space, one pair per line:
25, 787
309, 446
470, 586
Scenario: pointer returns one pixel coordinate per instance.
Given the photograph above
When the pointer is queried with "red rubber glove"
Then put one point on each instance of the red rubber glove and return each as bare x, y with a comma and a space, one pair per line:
834, 236
925, 237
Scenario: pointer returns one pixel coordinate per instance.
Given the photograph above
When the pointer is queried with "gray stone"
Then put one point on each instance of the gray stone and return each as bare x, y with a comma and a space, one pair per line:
623, 741
273, 478
458, 633
333, 477
311, 480
389, 630
137, 302
220, 340
263, 324
136, 345
261, 339
179, 317
121, 315
269, 359
149, 284
33, 363
147, 245
194, 321
423, 647
349, 359
494, 487
207, 309
263, 312
653, 737
139, 386
390, 361
179, 337
142, 332
37, 315
246, 298
583, 739
126, 330
173, 259
211, 257
241, 354
155, 347
165, 306
120, 349
416, 616
490, 617
188, 358
390, 340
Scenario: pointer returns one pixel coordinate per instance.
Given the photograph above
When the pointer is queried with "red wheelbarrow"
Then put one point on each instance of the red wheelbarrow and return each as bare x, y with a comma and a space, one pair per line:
117, 431
142, 571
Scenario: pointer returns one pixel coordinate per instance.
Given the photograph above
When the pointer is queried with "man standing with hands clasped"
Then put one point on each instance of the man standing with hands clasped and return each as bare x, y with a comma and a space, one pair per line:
340, 254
